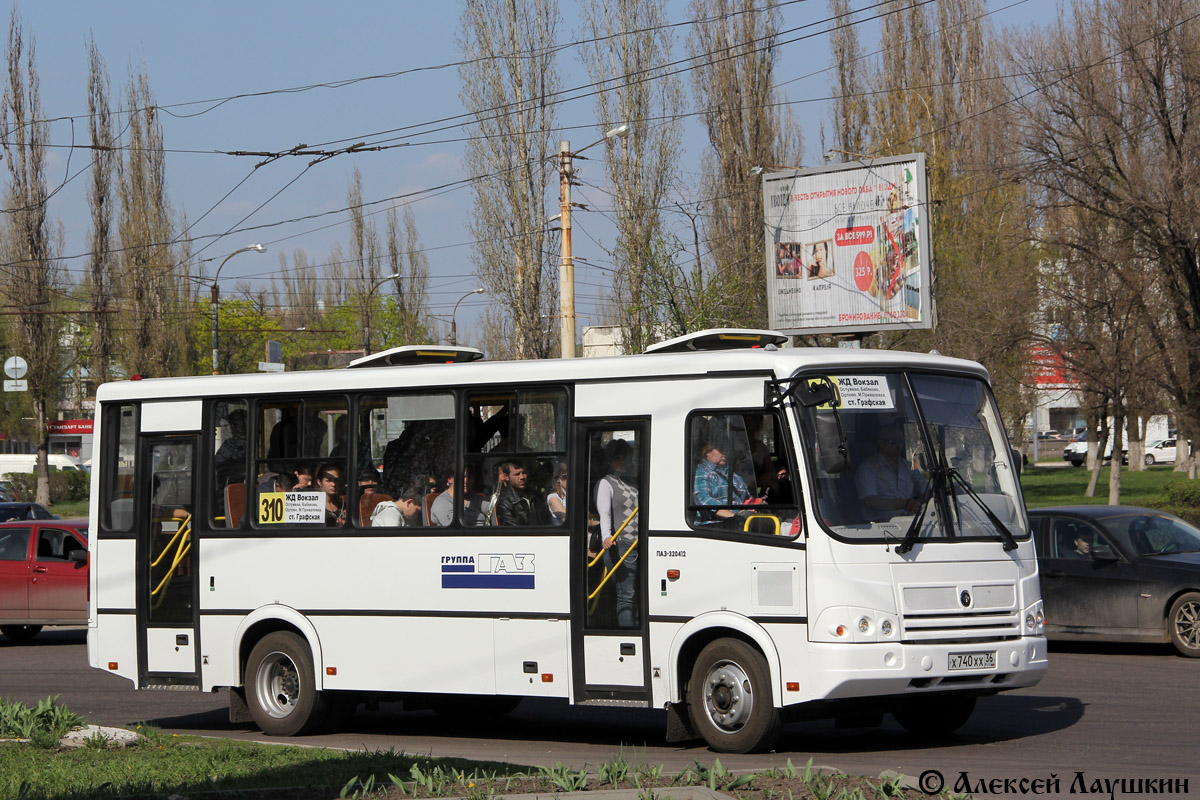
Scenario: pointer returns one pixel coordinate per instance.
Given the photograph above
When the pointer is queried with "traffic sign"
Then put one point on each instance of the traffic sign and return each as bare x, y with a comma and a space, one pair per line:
15, 368
16, 386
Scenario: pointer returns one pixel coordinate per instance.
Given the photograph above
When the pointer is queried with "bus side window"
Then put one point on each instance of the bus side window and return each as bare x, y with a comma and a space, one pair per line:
740, 476
229, 448
522, 431
120, 425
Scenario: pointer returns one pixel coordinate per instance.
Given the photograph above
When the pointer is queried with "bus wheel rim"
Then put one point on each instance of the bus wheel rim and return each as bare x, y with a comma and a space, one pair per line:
278, 683
728, 696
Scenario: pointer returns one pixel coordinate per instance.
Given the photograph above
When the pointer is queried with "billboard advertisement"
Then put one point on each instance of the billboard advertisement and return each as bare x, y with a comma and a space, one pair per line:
848, 247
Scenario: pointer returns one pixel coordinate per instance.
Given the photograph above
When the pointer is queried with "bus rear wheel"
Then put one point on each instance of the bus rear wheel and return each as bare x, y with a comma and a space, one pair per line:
934, 715
281, 689
729, 698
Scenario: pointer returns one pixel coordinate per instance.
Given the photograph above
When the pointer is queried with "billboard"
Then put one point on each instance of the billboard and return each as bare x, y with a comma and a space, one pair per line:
848, 247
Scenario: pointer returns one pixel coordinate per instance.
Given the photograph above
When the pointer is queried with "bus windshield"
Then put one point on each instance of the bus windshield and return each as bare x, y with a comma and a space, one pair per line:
919, 456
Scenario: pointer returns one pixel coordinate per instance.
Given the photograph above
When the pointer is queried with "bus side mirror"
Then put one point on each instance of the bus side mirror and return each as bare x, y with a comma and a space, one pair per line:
811, 395
835, 456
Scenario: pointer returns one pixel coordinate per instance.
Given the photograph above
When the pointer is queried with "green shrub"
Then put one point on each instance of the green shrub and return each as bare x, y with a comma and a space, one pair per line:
65, 486
49, 718
1182, 493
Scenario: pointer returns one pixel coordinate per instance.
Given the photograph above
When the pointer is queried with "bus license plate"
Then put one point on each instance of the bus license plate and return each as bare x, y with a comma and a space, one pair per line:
973, 660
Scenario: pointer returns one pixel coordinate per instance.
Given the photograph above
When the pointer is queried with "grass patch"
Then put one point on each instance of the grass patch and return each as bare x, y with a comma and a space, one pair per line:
198, 768
190, 766
1065, 486
70, 509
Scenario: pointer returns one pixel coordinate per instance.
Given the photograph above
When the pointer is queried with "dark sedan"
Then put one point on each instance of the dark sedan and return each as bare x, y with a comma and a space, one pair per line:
1119, 573
10, 512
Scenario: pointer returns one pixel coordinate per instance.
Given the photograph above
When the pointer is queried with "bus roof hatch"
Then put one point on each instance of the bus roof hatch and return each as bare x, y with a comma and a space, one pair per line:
409, 354
719, 339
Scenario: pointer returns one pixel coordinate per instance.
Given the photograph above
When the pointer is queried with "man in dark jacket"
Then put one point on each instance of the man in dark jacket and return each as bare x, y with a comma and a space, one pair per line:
514, 506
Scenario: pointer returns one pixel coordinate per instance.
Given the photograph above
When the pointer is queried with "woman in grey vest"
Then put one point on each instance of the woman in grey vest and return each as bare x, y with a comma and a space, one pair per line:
616, 501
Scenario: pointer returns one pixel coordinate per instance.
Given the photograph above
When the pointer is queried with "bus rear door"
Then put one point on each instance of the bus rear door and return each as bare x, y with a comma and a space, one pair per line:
166, 563
609, 629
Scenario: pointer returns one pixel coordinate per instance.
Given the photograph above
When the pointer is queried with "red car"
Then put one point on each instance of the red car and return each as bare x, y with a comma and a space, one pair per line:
43, 576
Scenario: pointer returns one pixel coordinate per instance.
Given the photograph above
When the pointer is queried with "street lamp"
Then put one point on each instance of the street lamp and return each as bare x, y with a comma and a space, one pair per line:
367, 327
566, 271
216, 297
453, 321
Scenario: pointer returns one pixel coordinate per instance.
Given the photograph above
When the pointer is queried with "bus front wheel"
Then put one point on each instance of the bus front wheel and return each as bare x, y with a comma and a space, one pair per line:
729, 698
281, 686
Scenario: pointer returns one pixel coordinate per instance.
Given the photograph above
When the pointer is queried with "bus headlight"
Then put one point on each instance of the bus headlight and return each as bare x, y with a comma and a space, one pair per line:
843, 624
1035, 619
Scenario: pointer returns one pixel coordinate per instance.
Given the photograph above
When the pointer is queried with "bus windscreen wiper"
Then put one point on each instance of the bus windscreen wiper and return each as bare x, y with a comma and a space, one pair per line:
914, 527
1010, 543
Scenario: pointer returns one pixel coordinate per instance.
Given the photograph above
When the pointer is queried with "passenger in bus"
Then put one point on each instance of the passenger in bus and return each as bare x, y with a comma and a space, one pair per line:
513, 504
617, 504
229, 462
329, 480
304, 477
403, 512
425, 447
556, 498
280, 482
886, 481
441, 512
714, 485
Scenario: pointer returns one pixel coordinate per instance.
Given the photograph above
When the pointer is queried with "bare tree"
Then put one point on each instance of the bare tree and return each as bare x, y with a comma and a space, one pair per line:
625, 60
101, 261
851, 111
1110, 128
406, 258
509, 79
27, 240
154, 343
732, 51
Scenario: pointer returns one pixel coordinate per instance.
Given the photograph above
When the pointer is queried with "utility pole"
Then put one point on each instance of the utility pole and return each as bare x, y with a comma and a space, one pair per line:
566, 270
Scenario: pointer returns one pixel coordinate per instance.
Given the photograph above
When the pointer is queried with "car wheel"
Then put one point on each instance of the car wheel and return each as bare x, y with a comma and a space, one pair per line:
1183, 624
20, 633
729, 698
281, 689
1149, 460
934, 715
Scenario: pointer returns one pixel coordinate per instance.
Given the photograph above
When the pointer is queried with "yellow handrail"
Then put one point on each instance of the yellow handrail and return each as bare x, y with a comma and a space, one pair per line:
183, 528
617, 533
609, 572
184, 536
772, 517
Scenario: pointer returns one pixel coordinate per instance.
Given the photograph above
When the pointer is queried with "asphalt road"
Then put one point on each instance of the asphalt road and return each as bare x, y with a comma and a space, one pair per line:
1109, 711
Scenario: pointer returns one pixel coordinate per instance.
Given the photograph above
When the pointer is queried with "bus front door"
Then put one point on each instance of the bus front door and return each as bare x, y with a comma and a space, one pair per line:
166, 558
609, 586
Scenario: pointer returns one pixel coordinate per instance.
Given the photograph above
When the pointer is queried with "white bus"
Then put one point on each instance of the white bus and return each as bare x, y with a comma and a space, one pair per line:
791, 532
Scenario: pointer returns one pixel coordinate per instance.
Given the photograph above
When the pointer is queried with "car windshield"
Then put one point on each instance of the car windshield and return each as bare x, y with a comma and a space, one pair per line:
925, 457
1153, 534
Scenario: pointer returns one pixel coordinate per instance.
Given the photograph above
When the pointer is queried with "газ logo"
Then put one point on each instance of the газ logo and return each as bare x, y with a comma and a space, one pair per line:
488, 571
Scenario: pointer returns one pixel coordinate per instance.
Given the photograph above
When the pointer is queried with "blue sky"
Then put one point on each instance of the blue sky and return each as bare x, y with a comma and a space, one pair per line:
217, 49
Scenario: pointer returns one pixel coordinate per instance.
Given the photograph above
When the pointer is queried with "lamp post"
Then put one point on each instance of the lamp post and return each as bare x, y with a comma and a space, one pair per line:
454, 321
566, 270
216, 297
367, 327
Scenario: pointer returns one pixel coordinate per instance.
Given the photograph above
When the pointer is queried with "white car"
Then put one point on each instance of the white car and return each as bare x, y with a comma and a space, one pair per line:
1160, 452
